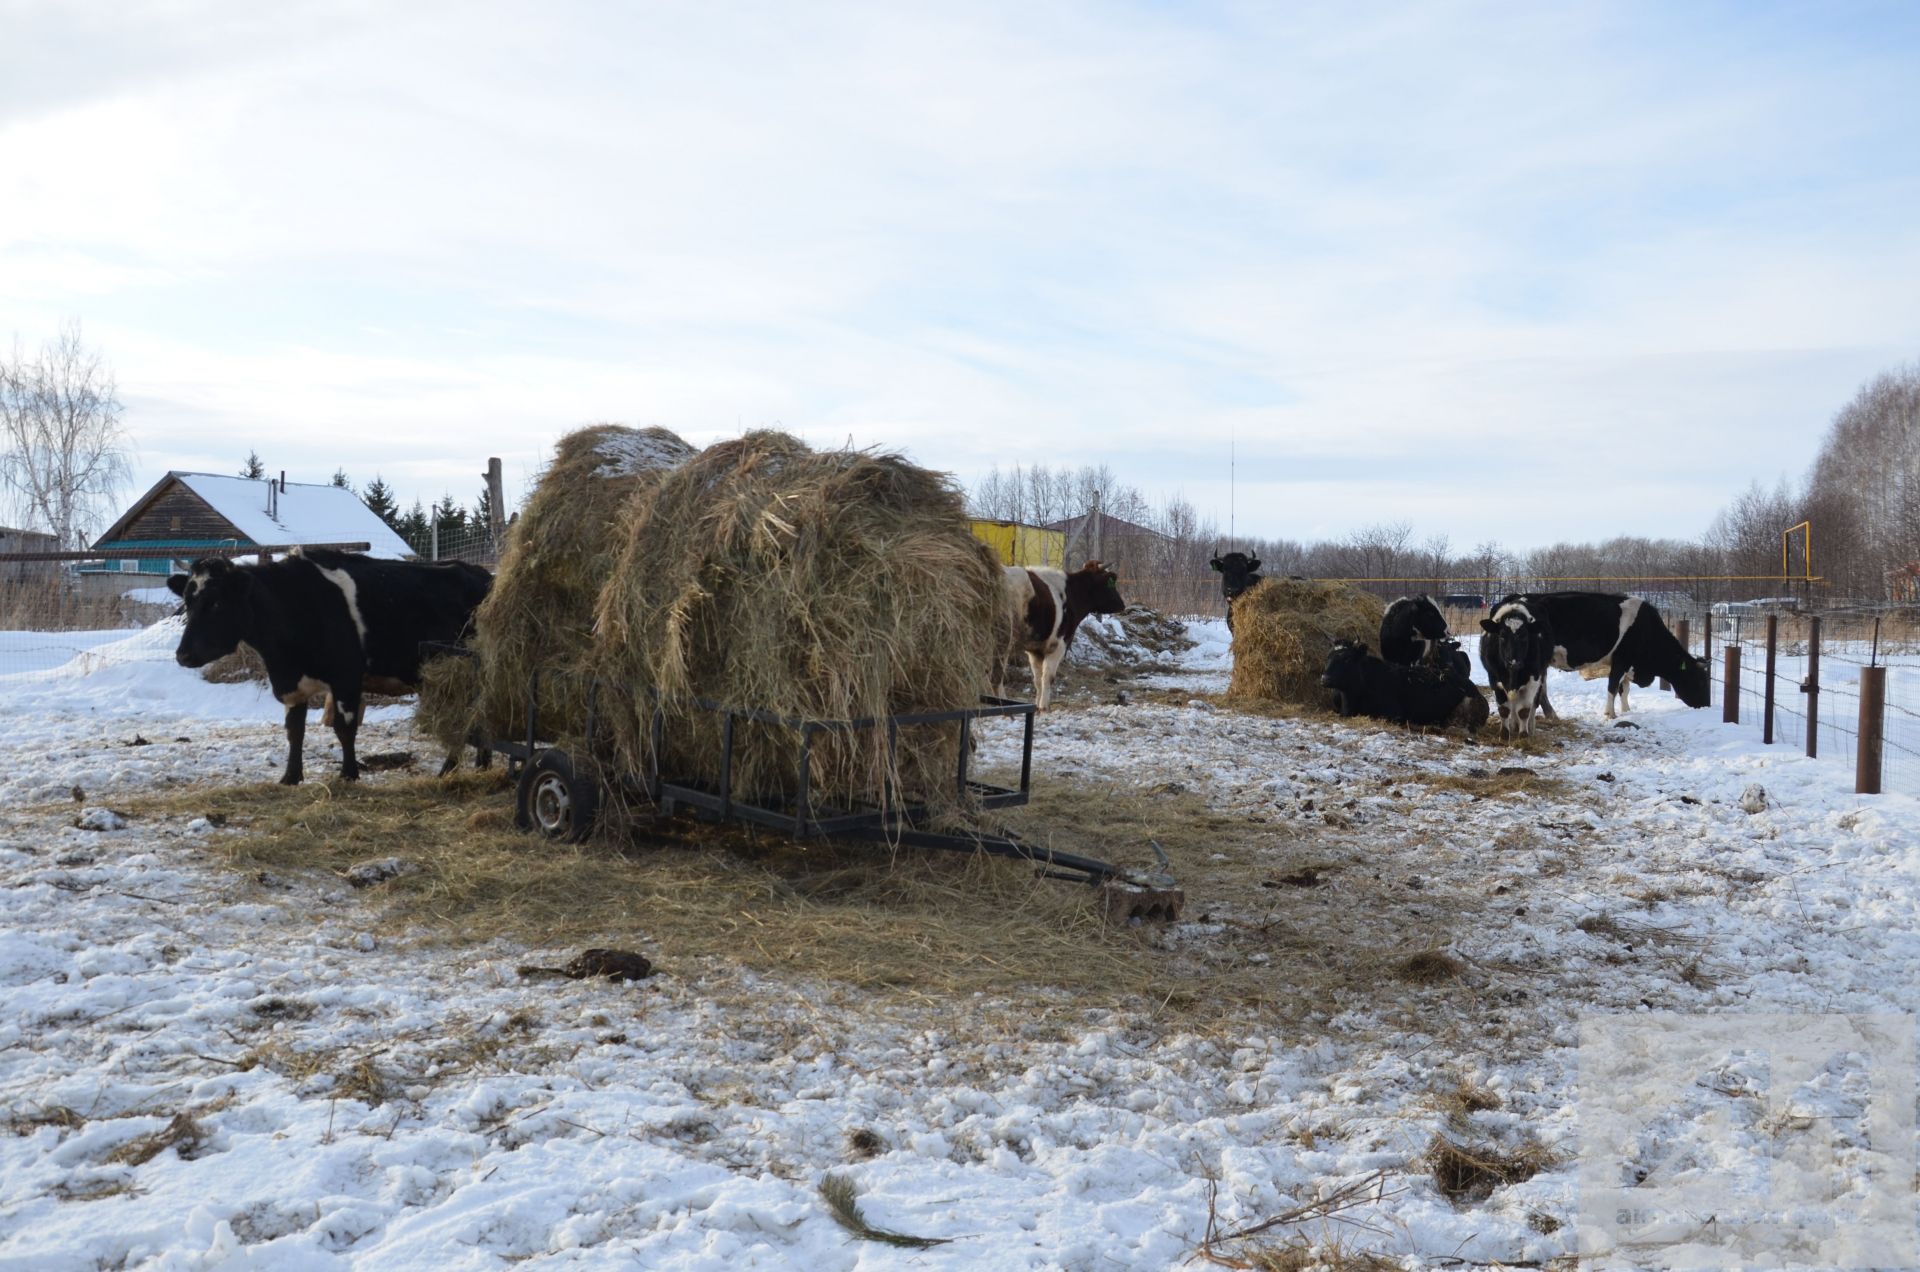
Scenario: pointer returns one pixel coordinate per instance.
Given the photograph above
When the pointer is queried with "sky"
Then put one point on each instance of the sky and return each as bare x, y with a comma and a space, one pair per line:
1518, 272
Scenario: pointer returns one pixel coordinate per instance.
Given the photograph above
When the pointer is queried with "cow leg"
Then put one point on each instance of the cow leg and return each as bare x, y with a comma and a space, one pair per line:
1529, 696
1626, 683
1540, 701
482, 757
452, 761
296, 739
346, 726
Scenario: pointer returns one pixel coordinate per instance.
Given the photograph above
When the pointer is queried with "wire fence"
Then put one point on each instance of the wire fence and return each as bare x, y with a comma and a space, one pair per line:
1812, 686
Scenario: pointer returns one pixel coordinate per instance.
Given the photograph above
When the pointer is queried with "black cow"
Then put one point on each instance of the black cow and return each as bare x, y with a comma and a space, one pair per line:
1363, 684
324, 620
1515, 648
1238, 573
1446, 655
1409, 628
1622, 633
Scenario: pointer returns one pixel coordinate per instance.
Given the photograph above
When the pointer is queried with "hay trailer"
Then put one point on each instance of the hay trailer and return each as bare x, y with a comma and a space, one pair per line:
559, 793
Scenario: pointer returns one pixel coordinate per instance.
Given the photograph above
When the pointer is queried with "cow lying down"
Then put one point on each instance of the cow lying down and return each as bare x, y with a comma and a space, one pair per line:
1364, 684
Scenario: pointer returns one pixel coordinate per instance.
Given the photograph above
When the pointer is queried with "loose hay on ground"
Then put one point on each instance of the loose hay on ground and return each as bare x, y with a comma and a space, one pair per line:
1283, 631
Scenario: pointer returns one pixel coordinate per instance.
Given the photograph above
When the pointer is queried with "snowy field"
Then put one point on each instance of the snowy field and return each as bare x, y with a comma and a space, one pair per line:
688, 1121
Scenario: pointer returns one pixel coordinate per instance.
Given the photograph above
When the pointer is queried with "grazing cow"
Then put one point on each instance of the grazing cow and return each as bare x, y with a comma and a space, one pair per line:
1409, 628
1044, 609
1446, 655
1363, 684
1238, 573
1623, 634
324, 620
1515, 648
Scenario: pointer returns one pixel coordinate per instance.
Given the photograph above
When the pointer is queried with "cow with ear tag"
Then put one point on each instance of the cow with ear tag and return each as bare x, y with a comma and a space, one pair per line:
326, 622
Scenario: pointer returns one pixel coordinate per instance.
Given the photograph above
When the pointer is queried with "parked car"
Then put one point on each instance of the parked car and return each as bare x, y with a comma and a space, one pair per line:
1463, 600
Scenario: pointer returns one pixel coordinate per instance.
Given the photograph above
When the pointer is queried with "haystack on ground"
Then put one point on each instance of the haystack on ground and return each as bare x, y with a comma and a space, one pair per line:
825, 585
1283, 631
540, 612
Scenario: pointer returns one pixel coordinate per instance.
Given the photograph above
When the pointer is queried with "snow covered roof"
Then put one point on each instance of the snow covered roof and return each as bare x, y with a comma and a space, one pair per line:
301, 513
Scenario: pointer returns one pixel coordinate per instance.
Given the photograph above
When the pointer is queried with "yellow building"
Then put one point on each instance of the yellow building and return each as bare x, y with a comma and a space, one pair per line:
1018, 544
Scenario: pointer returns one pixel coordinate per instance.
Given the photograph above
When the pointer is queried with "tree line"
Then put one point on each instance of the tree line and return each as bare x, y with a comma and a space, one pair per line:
64, 465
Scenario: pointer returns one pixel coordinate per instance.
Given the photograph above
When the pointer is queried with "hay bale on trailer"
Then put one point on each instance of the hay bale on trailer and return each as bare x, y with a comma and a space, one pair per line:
539, 614
839, 584
1283, 631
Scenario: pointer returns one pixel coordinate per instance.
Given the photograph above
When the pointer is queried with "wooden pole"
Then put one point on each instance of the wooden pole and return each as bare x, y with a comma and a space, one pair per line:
1811, 687
1873, 720
1685, 648
496, 503
1773, 650
1730, 713
1706, 655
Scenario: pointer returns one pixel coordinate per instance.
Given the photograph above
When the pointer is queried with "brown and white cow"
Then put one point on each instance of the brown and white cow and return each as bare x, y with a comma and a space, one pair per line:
1044, 609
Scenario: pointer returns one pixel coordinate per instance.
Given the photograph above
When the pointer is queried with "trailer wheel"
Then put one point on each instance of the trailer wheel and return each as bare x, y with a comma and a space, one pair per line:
554, 800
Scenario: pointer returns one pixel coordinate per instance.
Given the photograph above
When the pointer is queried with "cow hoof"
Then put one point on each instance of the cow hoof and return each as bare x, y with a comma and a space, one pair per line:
290, 779
556, 800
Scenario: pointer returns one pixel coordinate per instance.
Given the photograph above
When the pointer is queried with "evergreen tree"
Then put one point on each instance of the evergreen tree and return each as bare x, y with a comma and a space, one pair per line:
416, 529
340, 479
255, 468
449, 514
483, 510
378, 497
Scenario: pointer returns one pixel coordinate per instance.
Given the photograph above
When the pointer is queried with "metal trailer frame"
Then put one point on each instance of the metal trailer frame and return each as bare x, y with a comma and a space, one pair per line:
800, 818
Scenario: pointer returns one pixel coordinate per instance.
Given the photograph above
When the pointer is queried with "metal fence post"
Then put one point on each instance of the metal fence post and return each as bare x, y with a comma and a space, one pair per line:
1873, 718
1730, 713
1811, 687
1773, 649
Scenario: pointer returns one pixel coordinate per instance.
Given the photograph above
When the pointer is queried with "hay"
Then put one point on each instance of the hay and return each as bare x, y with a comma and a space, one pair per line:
539, 613
1283, 631
829, 585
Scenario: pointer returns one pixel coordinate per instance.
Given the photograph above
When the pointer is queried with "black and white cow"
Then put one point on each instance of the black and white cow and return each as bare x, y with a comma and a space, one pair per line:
326, 621
1515, 647
1364, 684
1622, 633
1238, 573
1409, 628
1044, 609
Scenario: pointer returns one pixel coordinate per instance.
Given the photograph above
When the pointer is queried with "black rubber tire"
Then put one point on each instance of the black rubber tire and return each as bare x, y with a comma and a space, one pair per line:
555, 800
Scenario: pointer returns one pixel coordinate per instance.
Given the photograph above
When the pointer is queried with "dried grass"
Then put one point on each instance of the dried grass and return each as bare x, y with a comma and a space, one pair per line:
1283, 632
830, 585
182, 1132
539, 613
1469, 1173
843, 1203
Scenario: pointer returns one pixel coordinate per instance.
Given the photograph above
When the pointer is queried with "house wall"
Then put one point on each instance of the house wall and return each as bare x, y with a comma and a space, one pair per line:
177, 514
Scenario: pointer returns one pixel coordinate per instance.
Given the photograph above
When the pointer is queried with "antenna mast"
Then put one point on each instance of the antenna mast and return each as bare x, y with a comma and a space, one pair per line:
1232, 469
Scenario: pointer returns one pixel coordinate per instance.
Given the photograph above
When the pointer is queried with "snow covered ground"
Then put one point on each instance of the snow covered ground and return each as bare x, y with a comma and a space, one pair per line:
688, 1121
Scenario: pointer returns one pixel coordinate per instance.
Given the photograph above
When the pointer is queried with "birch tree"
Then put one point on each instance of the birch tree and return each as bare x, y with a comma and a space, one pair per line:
63, 451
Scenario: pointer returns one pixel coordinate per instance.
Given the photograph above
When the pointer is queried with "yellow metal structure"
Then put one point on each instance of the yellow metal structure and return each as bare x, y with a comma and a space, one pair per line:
1806, 548
1018, 544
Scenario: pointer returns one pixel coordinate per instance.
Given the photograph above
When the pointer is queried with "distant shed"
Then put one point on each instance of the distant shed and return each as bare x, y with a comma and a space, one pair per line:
192, 512
1018, 544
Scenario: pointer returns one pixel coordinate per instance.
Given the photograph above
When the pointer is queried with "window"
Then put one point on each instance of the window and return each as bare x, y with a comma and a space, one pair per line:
173, 523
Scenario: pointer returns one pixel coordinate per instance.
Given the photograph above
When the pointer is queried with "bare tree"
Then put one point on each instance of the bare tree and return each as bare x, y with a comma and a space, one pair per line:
63, 452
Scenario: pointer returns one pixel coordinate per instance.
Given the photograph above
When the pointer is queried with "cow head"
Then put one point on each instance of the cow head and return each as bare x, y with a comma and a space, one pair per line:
217, 599
1237, 571
1343, 664
1094, 589
1519, 645
1691, 683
